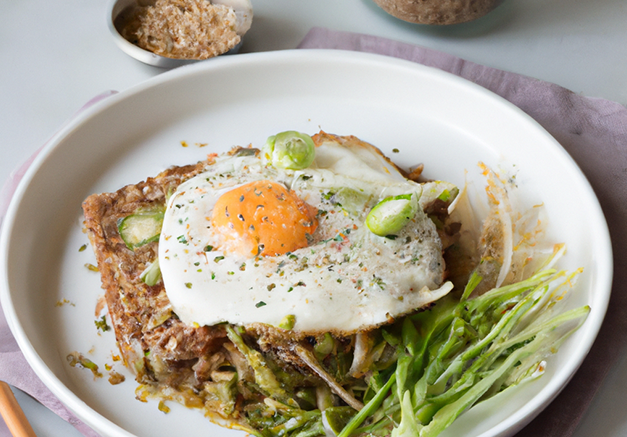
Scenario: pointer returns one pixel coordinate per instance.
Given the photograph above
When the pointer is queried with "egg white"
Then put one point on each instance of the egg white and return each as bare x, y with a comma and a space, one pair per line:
347, 280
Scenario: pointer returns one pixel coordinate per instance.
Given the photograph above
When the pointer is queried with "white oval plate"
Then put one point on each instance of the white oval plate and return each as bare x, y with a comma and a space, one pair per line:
430, 116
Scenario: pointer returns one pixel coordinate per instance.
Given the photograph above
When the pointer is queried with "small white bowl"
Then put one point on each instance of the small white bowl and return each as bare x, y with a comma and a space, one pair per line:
115, 8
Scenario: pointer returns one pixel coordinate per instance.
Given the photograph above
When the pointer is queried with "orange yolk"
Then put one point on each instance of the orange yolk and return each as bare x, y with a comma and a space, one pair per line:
263, 218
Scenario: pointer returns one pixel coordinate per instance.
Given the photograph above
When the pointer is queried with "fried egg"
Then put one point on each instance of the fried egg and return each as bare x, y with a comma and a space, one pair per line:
244, 242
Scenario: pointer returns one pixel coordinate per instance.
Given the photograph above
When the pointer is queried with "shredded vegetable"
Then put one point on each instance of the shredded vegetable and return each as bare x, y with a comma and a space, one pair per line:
447, 358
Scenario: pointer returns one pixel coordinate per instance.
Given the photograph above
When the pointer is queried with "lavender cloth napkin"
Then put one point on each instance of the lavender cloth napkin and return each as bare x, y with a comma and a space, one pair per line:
593, 131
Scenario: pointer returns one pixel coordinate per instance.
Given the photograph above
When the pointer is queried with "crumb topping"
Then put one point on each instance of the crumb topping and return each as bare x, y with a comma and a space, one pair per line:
183, 29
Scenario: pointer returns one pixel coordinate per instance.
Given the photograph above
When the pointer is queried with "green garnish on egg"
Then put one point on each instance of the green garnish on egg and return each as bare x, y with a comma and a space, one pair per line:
392, 214
290, 150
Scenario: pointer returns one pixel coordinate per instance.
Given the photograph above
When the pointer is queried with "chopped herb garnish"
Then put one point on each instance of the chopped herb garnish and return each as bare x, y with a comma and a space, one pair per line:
271, 287
208, 248
379, 282
328, 195
188, 284
82, 248
163, 407
245, 151
77, 359
218, 258
91, 267
181, 239
63, 302
102, 324
260, 304
444, 196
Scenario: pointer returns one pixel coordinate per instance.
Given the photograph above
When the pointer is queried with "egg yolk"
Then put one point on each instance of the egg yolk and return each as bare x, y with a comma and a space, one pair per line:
263, 218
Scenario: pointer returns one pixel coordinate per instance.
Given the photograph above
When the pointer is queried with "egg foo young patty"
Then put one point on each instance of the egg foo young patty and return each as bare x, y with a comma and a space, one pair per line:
238, 369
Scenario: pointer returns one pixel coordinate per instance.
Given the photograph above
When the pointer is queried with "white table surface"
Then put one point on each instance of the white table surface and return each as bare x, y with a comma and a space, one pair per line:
56, 55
